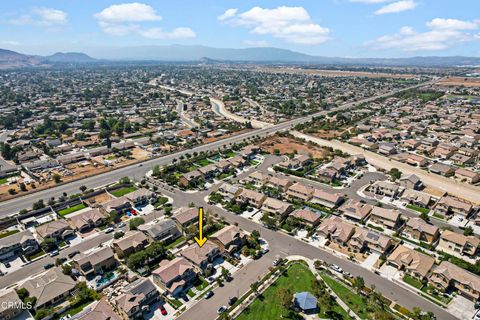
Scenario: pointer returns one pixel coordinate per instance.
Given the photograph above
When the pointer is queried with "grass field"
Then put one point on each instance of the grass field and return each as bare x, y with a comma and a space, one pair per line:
66, 211
175, 243
123, 191
412, 281
418, 209
3, 180
353, 300
298, 278
8, 233
204, 162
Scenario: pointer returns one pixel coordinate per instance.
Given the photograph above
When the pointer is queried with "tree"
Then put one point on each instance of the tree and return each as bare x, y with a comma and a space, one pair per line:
48, 244
38, 205
285, 297
67, 269
83, 188
254, 287
114, 216
117, 235
359, 283
395, 173
225, 273
57, 178
12, 191
124, 180
135, 222
23, 187
468, 231
425, 216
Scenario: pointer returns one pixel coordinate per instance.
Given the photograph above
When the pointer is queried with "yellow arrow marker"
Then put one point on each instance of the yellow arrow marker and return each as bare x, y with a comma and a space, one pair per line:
200, 239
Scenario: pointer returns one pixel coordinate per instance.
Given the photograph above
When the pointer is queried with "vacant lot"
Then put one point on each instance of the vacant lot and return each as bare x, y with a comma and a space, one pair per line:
287, 145
460, 81
340, 73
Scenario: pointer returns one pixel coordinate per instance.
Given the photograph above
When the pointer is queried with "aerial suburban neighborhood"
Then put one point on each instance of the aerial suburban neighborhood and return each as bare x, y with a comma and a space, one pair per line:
145, 179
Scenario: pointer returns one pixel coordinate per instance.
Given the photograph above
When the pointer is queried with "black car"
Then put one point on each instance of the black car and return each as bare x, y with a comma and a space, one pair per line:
73, 254
232, 300
209, 294
48, 266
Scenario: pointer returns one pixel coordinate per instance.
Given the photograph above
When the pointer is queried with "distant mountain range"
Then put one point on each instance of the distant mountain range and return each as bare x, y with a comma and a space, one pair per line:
203, 54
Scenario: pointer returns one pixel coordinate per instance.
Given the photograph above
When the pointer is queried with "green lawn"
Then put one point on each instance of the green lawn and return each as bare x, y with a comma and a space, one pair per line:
66, 211
190, 293
3, 180
8, 233
418, 209
175, 243
412, 281
435, 294
230, 154
353, 300
298, 278
175, 303
201, 284
36, 255
204, 162
123, 191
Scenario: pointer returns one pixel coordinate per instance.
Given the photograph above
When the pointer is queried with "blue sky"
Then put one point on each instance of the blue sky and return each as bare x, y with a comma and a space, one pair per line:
347, 28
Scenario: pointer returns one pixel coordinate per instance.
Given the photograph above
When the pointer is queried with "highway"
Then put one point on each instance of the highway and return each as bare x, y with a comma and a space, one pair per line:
136, 171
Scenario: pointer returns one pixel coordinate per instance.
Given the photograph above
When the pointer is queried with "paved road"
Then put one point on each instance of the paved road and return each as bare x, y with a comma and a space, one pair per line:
135, 171
463, 190
189, 122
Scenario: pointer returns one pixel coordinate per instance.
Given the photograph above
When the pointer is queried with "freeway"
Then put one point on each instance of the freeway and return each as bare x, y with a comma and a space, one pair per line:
136, 171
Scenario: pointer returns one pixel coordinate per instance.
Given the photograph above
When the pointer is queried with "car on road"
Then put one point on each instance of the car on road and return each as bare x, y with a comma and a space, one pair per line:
48, 266
121, 225
209, 294
222, 309
264, 251
140, 165
210, 279
73, 254
348, 274
336, 268
109, 230
163, 311
276, 262
7, 264
54, 253
232, 300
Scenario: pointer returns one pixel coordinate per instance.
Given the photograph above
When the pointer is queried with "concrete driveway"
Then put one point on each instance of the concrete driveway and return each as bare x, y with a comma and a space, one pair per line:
462, 307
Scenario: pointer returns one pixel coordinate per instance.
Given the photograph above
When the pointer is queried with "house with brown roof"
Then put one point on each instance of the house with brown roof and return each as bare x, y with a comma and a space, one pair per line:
174, 275
190, 178
416, 160
442, 169
416, 264
447, 275
229, 239
307, 217
337, 230
279, 183
326, 199
131, 242
95, 262
328, 174
50, 289
202, 256
300, 191
420, 230
230, 191
277, 207
355, 210
453, 242
136, 299
100, 309
417, 198
258, 178
410, 182
466, 175
87, 220
120, 205
364, 239
252, 198
56, 229
448, 205
141, 197
388, 218
185, 216
9, 305
385, 188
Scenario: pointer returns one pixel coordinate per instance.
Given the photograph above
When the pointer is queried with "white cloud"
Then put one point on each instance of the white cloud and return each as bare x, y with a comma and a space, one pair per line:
229, 13
442, 34
370, 1
41, 16
127, 18
291, 24
10, 43
127, 12
395, 7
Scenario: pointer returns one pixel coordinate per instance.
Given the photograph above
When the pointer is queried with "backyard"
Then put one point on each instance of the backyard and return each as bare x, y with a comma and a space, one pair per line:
66, 211
123, 191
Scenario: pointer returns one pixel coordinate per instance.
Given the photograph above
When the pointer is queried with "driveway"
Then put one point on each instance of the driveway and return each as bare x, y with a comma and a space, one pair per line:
462, 307
370, 261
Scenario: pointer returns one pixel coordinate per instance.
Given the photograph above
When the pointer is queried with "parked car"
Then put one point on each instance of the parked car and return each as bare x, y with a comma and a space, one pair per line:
232, 300
222, 309
276, 262
73, 254
109, 230
163, 310
7, 264
54, 253
121, 225
336, 268
210, 279
264, 251
209, 294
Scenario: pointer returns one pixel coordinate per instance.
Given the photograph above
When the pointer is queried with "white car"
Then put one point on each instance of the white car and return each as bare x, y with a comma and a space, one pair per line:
222, 309
108, 230
336, 268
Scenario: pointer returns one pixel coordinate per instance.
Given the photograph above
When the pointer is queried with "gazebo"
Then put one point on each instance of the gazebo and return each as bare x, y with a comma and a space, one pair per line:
305, 301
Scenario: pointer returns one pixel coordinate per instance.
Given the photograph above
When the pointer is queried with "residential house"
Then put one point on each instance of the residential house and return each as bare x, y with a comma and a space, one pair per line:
326, 199
131, 242
420, 230
277, 207
120, 205
190, 178
202, 256
258, 178
20, 243
308, 217
388, 218
466, 175
165, 230
209, 171
452, 242
279, 183
229, 191
385, 188
447, 275
337, 230
100, 309
95, 262
328, 174
252, 198
57, 229
364, 239
416, 160
416, 198
137, 298
141, 197
300, 192
410, 182
229, 239
416, 264
448, 205
185, 216
442, 169
10, 305
50, 288
174, 275
87, 220
297, 163
356, 210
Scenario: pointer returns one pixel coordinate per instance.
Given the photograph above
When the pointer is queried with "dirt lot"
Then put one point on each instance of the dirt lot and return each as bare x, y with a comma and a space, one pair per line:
288, 145
101, 198
339, 73
327, 134
208, 140
460, 81
434, 192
